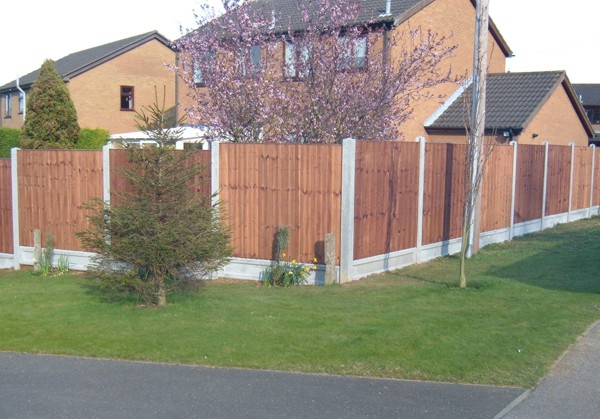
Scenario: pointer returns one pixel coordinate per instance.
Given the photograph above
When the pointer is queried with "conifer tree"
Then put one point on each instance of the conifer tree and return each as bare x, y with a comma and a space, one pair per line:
51, 117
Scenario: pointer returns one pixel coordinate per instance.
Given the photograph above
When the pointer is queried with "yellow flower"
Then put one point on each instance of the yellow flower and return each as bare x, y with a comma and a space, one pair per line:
315, 260
293, 261
282, 254
306, 269
314, 268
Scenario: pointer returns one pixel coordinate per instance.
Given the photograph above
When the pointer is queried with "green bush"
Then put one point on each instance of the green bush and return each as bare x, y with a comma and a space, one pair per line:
9, 138
92, 139
51, 116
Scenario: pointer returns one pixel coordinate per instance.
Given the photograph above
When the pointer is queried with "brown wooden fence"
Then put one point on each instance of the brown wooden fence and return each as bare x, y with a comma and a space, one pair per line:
496, 189
596, 197
53, 184
386, 197
530, 183
119, 161
264, 186
6, 233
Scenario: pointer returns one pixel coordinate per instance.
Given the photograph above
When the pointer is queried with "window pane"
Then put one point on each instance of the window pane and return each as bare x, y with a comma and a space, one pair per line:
7, 104
290, 60
345, 49
360, 52
126, 97
197, 73
255, 57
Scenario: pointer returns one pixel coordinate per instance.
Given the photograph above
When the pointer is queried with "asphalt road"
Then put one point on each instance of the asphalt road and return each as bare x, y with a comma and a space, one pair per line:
43, 386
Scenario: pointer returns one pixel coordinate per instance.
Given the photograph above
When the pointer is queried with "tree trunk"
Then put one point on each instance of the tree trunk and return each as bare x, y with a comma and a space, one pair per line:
463, 258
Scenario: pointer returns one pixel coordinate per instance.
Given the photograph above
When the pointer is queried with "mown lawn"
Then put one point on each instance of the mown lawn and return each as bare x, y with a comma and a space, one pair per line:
527, 301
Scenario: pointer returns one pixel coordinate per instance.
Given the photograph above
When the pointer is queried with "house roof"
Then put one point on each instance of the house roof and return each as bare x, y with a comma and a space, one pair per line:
79, 62
512, 101
285, 15
588, 94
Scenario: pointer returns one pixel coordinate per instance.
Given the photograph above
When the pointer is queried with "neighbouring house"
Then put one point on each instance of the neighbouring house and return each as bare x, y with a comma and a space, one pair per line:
547, 110
589, 96
107, 83
453, 19
527, 107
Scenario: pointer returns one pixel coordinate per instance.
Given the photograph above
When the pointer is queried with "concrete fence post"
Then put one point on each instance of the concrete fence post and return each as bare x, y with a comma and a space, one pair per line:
421, 198
593, 146
106, 173
347, 223
572, 171
214, 171
513, 193
15, 208
545, 186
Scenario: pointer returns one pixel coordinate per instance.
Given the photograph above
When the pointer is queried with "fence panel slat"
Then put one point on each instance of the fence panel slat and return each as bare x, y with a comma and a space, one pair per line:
265, 186
559, 172
496, 189
53, 186
530, 183
6, 229
444, 192
582, 178
386, 199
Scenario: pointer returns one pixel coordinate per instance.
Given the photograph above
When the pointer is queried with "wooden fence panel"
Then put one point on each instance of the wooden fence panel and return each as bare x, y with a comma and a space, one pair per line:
386, 197
119, 161
559, 172
444, 192
582, 171
264, 186
596, 197
496, 189
530, 183
6, 229
53, 185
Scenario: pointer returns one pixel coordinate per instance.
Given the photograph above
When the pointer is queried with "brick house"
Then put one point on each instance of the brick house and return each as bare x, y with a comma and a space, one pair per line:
453, 19
107, 83
527, 107
589, 96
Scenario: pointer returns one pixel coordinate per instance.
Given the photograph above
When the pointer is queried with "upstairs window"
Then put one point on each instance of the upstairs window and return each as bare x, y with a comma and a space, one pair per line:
296, 60
353, 53
127, 98
7, 105
593, 115
250, 58
21, 103
197, 74
205, 62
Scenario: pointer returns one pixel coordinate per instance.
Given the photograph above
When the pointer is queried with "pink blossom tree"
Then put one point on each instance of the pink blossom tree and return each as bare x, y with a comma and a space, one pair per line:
319, 74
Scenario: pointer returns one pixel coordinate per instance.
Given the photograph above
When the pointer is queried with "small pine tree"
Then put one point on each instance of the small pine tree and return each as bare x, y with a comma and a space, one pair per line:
51, 116
162, 231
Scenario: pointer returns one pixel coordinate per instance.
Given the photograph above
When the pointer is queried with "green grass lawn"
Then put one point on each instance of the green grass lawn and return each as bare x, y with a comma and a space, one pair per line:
527, 301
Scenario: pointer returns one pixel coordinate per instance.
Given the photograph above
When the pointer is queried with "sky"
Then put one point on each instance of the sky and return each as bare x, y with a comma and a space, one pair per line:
542, 35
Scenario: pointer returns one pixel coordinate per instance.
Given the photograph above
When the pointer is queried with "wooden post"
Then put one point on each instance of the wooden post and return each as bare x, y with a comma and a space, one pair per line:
37, 249
330, 276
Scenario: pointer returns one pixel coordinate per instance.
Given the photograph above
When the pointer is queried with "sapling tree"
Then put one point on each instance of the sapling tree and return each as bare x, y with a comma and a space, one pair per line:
161, 232
317, 76
477, 151
51, 116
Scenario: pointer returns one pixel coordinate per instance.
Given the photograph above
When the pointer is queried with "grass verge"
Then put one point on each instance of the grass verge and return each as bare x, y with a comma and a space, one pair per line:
527, 300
